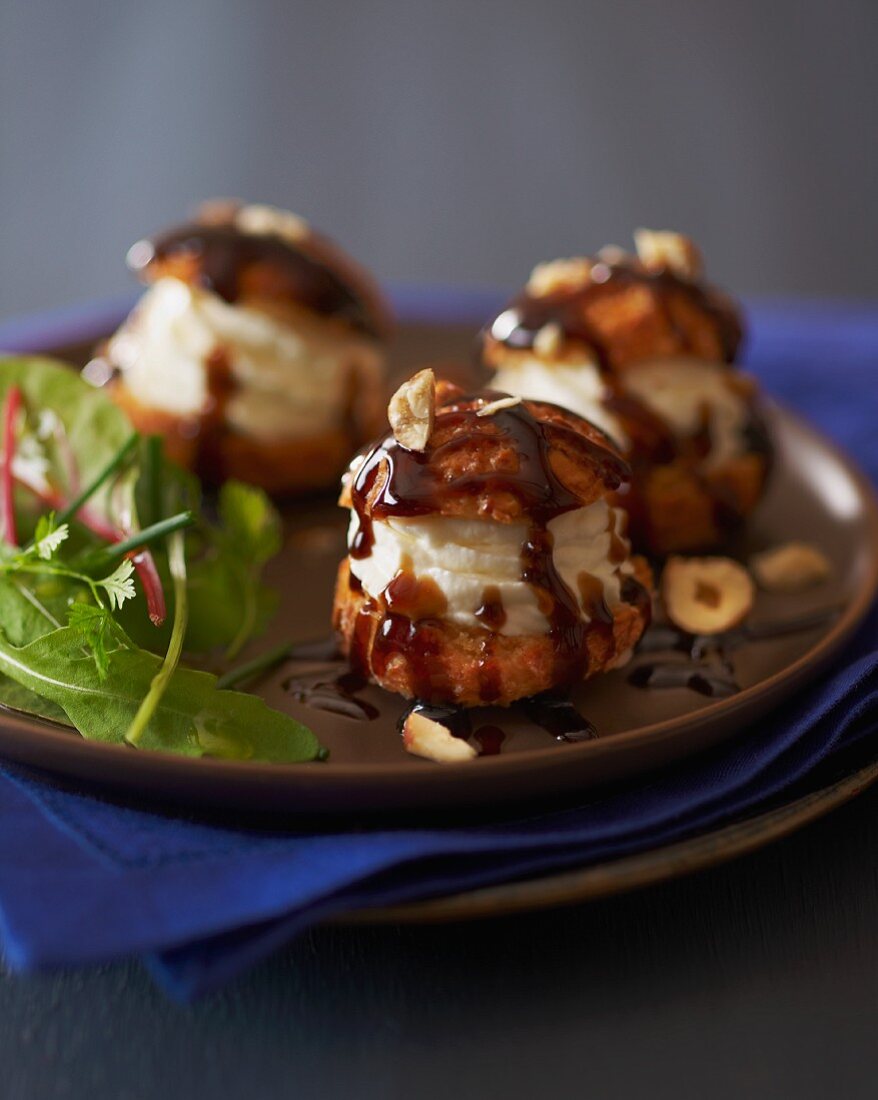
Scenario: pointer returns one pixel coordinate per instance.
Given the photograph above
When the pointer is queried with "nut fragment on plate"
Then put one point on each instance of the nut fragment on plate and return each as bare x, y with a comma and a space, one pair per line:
422, 736
706, 595
665, 249
790, 567
411, 411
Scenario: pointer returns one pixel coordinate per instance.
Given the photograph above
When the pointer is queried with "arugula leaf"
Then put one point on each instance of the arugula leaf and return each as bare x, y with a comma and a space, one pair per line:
16, 697
26, 617
193, 718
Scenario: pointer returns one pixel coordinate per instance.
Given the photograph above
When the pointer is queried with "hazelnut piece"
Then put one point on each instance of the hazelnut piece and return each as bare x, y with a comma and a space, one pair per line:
706, 595
422, 736
663, 249
412, 411
790, 567
262, 220
555, 275
548, 340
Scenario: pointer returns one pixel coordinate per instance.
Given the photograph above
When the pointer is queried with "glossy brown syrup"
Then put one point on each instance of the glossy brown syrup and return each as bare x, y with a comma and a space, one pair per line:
232, 263
333, 686
414, 597
490, 740
336, 695
568, 308
557, 715
491, 613
708, 667
716, 683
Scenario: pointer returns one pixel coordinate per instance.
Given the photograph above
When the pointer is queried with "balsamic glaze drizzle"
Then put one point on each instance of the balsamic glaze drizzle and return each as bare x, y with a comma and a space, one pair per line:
231, 262
335, 695
559, 716
708, 668
707, 671
567, 307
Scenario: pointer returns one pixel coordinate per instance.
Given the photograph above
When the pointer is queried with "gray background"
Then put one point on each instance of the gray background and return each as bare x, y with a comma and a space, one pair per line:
454, 141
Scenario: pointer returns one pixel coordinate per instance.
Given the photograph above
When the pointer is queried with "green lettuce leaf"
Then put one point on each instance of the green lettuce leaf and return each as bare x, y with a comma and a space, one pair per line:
194, 718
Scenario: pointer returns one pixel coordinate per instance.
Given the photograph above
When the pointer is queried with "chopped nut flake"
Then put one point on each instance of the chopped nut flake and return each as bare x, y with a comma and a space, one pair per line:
412, 411
660, 249
496, 406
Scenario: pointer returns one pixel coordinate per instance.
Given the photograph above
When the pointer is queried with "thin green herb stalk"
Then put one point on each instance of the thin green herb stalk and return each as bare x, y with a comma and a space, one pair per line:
36, 603
177, 565
47, 568
153, 473
261, 663
248, 619
118, 459
140, 539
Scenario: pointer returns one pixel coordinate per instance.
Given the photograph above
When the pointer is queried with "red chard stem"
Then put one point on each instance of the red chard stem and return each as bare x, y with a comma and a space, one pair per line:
10, 412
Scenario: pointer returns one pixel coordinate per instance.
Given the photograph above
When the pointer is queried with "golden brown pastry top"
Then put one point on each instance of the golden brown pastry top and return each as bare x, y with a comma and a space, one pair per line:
487, 456
621, 308
266, 258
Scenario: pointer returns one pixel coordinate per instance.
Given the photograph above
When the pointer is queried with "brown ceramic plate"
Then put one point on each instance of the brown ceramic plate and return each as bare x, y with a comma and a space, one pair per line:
816, 494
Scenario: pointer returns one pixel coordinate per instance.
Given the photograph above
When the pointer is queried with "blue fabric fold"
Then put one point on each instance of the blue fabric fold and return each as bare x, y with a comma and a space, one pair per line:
83, 880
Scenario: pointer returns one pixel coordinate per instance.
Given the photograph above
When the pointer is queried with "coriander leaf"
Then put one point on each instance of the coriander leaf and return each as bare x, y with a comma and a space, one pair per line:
48, 537
193, 717
119, 586
250, 521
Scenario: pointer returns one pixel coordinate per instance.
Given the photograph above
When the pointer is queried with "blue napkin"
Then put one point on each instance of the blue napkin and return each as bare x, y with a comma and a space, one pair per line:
84, 880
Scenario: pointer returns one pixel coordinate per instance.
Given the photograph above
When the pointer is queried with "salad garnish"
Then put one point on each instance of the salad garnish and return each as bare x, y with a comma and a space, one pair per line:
87, 587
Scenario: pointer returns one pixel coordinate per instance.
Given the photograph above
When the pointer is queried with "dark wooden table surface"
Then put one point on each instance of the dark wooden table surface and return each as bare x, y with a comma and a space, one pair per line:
756, 979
